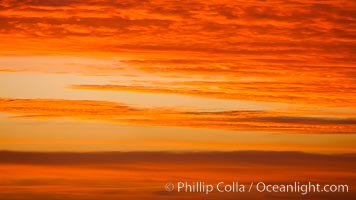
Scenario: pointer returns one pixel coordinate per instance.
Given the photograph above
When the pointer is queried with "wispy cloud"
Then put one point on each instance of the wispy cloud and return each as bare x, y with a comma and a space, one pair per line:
253, 28
230, 120
291, 64
307, 93
297, 52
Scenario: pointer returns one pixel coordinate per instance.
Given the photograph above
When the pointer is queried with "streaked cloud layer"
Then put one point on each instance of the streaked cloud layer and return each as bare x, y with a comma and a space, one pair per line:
275, 66
248, 28
177, 87
279, 51
228, 120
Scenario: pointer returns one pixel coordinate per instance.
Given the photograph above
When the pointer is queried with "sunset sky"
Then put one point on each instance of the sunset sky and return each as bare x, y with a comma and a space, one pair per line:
177, 76
170, 75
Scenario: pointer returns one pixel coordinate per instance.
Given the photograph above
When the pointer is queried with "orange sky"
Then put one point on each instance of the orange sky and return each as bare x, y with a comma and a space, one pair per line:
278, 69
142, 92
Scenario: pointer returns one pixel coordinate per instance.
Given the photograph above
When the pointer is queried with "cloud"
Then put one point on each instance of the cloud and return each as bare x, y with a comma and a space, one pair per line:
237, 157
227, 120
299, 52
307, 93
300, 28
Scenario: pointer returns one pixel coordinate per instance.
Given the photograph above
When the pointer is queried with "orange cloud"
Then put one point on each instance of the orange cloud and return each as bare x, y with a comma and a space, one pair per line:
300, 28
297, 52
230, 120
308, 93
303, 30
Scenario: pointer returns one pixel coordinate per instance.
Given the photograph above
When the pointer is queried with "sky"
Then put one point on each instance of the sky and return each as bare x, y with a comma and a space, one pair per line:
166, 76
276, 75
